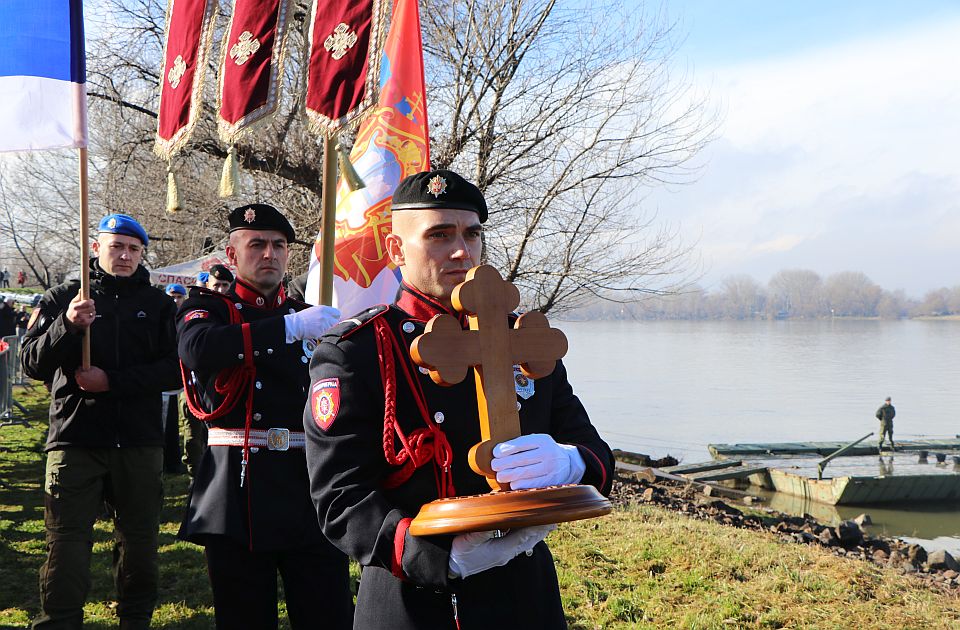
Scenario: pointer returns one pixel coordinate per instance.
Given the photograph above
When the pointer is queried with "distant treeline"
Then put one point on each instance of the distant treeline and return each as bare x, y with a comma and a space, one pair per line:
792, 293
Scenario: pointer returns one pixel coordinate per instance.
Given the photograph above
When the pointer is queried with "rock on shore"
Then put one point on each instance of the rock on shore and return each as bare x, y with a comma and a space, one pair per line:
848, 538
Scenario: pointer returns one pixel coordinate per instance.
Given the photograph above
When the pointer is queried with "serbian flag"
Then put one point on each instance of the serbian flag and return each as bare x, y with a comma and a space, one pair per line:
344, 53
185, 51
42, 75
252, 66
392, 143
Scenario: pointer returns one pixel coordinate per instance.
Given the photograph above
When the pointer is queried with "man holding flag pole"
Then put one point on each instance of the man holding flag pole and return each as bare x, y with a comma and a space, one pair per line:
104, 443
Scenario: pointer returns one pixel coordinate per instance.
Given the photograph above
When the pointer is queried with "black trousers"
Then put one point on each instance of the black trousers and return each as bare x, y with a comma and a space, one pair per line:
316, 587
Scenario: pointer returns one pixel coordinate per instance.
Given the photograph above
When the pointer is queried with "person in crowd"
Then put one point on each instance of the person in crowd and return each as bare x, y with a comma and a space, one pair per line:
172, 451
21, 278
22, 319
246, 354
105, 441
8, 318
177, 292
383, 440
219, 278
885, 415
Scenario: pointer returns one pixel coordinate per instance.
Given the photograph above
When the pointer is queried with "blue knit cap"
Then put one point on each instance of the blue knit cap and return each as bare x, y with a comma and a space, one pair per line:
123, 224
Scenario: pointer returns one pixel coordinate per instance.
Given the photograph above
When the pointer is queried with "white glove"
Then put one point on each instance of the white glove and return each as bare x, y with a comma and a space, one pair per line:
479, 551
310, 323
537, 461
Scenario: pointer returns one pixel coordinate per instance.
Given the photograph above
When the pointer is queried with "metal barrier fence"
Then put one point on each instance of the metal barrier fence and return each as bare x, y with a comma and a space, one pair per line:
11, 373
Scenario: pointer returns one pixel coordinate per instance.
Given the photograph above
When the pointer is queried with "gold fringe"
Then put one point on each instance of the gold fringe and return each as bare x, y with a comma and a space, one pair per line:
230, 179
165, 149
173, 191
326, 126
347, 171
261, 117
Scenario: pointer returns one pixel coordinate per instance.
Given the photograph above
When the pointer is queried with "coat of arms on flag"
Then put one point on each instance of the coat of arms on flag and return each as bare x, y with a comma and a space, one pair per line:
392, 143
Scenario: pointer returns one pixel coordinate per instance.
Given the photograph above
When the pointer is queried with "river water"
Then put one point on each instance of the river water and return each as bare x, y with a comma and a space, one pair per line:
669, 387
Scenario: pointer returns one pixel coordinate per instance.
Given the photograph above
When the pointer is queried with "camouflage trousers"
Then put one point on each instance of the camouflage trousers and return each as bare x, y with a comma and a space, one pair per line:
886, 429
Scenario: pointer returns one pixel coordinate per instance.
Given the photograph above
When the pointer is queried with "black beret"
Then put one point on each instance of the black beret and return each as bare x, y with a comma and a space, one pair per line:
260, 216
439, 189
220, 272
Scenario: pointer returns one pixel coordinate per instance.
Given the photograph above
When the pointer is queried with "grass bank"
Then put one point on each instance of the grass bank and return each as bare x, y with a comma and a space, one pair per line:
641, 567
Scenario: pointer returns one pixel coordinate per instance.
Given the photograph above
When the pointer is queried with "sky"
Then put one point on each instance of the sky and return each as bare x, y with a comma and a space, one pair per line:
839, 141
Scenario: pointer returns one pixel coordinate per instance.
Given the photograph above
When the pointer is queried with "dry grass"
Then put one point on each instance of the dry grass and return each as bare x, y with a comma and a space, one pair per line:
641, 567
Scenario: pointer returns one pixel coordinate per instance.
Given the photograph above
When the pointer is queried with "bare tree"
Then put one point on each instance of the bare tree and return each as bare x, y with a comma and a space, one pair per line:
796, 293
564, 118
851, 293
39, 222
742, 297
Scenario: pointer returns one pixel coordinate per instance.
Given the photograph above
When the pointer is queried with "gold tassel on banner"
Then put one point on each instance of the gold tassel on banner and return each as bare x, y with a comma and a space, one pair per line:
229, 180
347, 171
173, 191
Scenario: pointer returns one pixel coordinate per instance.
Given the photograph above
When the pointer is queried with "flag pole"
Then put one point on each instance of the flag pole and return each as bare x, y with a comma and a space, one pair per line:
328, 221
84, 250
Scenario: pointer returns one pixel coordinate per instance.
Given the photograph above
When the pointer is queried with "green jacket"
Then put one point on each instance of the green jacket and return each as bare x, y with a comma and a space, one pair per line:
886, 413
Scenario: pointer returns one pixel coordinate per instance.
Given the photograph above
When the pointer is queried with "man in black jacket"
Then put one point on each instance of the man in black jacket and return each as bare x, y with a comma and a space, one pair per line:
383, 439
105, 441
247, 352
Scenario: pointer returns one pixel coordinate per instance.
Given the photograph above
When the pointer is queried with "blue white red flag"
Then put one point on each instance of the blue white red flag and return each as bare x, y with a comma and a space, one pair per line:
392, 143
42, 75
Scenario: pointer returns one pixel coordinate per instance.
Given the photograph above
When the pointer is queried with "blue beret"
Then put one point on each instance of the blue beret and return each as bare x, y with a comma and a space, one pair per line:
203, 276
179, 289
123, 224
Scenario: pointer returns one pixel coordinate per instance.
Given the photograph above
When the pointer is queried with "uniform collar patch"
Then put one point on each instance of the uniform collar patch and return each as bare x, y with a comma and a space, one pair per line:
249, 295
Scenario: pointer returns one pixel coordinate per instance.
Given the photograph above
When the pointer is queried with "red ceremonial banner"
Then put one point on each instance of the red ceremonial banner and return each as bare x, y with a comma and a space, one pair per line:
186, 48
346, 37
252, 65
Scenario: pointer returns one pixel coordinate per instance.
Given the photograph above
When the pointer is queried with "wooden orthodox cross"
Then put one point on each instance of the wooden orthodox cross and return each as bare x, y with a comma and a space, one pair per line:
492, 348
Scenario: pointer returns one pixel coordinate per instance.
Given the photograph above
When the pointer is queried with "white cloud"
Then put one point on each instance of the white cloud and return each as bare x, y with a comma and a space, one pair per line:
841, 149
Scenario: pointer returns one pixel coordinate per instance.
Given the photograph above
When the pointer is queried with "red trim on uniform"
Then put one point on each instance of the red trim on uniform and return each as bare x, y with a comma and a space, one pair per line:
603, 469
249, 295
420, 305
398, 540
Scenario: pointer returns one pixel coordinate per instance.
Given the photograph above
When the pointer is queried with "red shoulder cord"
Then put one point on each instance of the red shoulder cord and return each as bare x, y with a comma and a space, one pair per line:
422, 445
232, 384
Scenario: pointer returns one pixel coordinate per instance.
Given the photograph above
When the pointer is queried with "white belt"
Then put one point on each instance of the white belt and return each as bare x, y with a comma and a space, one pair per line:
271, 439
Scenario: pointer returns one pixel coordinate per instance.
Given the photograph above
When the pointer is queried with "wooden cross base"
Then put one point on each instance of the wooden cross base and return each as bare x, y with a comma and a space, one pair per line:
509, 509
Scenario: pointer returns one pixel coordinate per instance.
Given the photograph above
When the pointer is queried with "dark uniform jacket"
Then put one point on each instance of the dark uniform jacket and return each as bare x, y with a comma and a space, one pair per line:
272, 510
885, 414
132, 340
365, 503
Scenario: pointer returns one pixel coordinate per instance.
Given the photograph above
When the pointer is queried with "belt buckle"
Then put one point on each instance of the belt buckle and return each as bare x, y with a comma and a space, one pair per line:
278, 439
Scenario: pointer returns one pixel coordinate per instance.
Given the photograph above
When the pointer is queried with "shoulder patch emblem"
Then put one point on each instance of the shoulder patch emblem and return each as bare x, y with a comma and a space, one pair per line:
197, 314
325, 402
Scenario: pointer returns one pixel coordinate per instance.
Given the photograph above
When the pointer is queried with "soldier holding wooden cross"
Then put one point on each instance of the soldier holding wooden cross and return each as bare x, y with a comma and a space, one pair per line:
383, 440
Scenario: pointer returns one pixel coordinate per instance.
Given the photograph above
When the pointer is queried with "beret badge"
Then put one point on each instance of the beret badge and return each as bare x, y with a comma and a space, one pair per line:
250, 215
112, 223
437, 186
